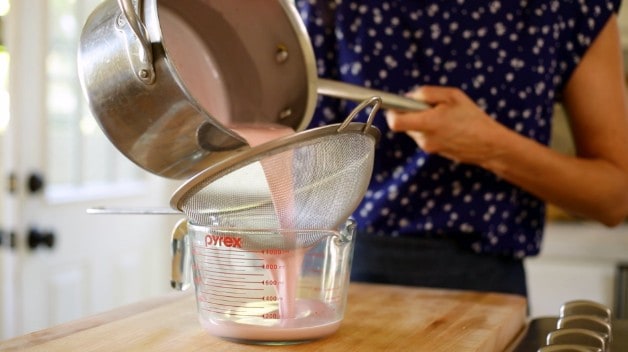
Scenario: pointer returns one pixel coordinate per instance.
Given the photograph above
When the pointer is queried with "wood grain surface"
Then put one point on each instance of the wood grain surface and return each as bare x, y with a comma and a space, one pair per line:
378, 318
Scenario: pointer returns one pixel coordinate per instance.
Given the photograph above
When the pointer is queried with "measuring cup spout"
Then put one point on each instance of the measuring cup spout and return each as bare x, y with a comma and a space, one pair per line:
181, 257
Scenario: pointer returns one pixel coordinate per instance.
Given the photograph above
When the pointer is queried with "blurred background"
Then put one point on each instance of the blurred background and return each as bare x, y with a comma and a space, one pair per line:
58, 263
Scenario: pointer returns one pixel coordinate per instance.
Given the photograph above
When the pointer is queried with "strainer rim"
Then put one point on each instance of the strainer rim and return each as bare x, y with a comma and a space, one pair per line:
280, 143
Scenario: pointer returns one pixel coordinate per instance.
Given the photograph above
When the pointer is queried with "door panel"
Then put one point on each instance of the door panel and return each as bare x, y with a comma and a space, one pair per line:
95, 262
7, 293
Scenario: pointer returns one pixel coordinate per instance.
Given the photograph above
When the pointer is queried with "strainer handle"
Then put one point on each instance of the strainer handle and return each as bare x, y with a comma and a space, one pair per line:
376, 102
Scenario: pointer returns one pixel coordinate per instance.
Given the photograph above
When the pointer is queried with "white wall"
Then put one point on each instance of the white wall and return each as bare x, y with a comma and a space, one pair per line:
578, 261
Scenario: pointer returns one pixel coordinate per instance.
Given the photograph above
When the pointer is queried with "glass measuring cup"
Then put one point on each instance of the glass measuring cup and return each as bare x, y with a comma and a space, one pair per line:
270, 286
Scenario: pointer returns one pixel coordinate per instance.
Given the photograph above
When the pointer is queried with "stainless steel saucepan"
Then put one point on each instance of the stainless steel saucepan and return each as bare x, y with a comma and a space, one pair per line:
167, 79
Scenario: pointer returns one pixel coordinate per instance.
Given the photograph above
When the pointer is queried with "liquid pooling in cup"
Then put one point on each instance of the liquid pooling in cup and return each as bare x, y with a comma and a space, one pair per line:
271, 286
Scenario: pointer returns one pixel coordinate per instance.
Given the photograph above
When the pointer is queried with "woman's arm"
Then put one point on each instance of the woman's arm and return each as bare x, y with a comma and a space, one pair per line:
593, 183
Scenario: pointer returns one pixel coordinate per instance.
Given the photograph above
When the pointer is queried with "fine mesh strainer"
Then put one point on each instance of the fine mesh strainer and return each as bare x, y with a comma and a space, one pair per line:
311, 180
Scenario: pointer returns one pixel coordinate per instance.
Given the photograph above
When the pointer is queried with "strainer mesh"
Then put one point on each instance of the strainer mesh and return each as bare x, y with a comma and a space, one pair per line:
313, 184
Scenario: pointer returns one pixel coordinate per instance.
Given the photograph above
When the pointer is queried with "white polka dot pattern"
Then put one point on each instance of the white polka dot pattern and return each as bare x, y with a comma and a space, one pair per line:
512, 57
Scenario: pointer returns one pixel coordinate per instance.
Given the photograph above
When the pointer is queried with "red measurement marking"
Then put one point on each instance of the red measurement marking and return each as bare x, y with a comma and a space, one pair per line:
225, 290
248, 298
237, 288
233, 267
222, 254
273, 251
235, 281
272, 266
201, 250
272, 282
222, 302
229, 312
213, 272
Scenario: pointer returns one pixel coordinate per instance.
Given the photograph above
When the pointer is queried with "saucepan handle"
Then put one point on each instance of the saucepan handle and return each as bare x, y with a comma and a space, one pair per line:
357, 93
146, 71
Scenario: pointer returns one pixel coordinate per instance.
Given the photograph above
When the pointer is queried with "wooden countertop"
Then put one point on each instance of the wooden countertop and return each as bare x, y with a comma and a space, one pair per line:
378, 318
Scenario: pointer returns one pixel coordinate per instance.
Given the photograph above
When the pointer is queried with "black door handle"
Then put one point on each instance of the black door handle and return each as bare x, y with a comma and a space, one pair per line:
35, 182
38, 238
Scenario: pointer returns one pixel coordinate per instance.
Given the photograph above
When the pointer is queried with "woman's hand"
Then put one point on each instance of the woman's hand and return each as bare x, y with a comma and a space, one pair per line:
455, 127
592, 183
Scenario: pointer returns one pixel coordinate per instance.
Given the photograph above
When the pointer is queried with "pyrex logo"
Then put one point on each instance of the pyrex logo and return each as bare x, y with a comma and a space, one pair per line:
223, 241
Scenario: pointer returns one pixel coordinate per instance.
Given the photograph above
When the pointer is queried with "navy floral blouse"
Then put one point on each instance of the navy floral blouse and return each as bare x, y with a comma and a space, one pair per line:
512, 57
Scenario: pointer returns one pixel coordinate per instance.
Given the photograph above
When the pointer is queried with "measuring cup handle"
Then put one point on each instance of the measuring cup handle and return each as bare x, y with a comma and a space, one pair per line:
181, 257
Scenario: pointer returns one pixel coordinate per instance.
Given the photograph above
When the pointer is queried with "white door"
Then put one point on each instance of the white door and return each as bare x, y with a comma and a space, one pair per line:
6, 289
67, 264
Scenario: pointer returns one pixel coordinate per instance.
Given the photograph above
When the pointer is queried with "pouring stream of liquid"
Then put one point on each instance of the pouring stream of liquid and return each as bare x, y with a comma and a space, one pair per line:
194, 65
278, 171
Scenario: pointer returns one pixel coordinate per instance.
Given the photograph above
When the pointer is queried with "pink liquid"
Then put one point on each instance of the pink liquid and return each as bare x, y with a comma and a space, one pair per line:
299, 319
276, 168
194, 64
319, 321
